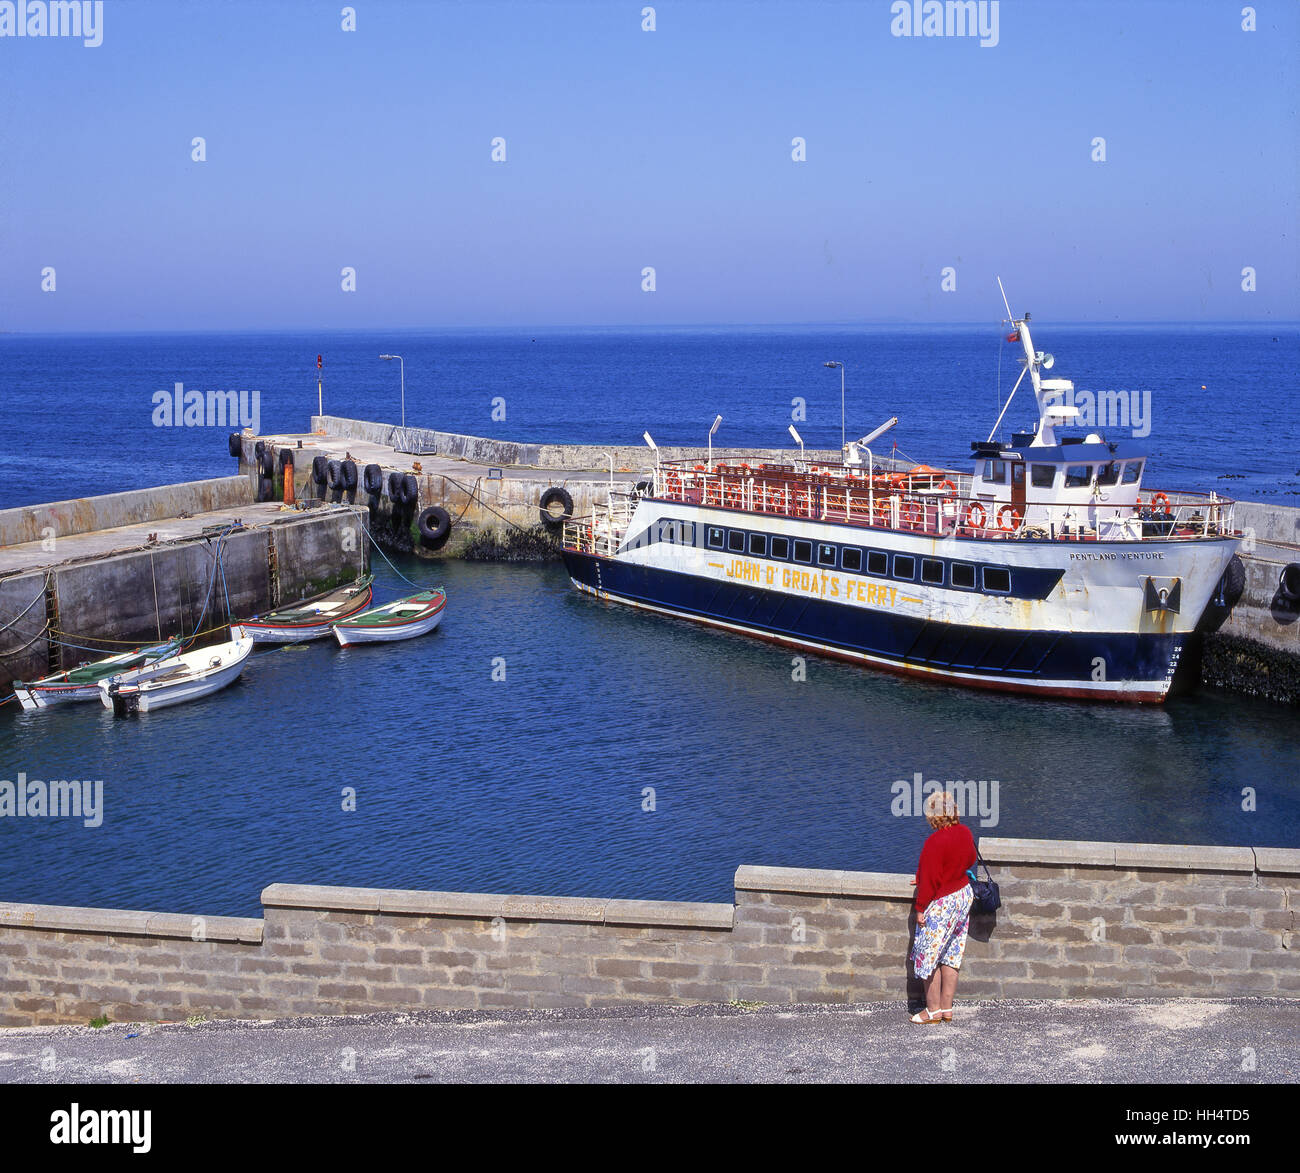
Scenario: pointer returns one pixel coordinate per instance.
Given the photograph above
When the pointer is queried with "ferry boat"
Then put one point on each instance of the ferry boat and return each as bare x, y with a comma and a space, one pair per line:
1048, 569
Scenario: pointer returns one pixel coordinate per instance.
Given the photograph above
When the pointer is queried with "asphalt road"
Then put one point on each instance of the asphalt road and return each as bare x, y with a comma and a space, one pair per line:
1109, 1041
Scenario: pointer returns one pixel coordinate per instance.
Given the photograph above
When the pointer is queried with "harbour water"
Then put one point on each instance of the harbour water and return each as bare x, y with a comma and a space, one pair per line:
543, 742
522, 746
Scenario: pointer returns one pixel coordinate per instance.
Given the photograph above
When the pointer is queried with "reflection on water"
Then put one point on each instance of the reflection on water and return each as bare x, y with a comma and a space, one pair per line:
537, 783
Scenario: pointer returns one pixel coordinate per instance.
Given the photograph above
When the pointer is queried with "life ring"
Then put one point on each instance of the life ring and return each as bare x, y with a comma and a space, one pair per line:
556, 496
1012, 513
435, 527
976, 516
1157, 498
947, 487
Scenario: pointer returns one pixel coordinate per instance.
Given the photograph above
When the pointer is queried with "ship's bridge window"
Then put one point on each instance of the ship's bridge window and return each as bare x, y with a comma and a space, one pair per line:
1108, 474
963, 575
995, 472
1077, 476
781, 548
851, 559
717, 537
1133, 472
826, 554
758, 545
1042, 475
736, 541
877, 562
932, 571
904, 566
997, 579
802, 550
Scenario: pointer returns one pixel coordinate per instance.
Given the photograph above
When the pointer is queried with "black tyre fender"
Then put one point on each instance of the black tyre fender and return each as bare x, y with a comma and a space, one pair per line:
259, 450
286, 458
435, 527
319, 469
410, 490
265, 489
1288, 581
395, 488
372, 478
235, 445
334, 473
553, 496
349, 474
266, 462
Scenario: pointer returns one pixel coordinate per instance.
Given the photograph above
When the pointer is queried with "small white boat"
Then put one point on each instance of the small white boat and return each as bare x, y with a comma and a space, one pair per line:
310, 620
82, 682
183, 678
403, 619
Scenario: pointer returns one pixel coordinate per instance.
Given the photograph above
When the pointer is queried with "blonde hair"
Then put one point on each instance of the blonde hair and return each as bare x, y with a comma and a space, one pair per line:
941, 809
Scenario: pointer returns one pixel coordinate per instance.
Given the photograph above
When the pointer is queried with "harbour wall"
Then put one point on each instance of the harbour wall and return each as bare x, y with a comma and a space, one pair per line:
552, 457
54, 614
1257, 651
1078, 920
59, 519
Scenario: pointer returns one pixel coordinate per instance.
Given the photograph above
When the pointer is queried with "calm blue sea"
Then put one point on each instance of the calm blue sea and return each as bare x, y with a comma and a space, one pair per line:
623, 754
78, 410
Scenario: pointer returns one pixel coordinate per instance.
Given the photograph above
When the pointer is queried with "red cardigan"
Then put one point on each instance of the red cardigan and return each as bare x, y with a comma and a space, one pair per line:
945, 856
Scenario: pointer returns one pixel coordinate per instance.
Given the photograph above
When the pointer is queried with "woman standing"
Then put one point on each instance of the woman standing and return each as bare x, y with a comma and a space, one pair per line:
943, 901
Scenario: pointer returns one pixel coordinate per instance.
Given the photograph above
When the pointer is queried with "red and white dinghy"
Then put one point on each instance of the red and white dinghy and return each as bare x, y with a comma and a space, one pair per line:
404, 619
313, 619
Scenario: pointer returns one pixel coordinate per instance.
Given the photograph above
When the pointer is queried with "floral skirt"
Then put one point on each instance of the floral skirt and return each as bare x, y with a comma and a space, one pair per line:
941, 932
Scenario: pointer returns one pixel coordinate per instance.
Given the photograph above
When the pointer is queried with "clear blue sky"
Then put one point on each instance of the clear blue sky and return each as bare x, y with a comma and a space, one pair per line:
628, 149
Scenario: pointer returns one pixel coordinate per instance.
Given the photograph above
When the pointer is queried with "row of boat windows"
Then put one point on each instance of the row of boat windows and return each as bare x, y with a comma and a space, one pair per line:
831, 556
1077, 476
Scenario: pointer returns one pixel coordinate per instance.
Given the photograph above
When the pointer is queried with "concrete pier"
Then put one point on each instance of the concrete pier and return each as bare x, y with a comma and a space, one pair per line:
128, 568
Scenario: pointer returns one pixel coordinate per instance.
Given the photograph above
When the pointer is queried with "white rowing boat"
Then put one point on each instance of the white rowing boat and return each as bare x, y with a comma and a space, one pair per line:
183, 678
403, 619
82, 682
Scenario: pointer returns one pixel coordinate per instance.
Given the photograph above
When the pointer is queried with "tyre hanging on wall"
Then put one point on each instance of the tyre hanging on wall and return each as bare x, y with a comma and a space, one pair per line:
319, 469
372, 479
435, 527
265, 489
410, 490
265, 461
551, 518
235, 445
334, 473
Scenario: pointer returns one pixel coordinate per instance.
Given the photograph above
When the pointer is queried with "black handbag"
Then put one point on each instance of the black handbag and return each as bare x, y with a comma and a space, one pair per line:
987, 897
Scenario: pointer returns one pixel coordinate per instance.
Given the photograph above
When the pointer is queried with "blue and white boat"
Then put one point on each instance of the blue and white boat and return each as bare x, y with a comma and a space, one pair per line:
1045, 570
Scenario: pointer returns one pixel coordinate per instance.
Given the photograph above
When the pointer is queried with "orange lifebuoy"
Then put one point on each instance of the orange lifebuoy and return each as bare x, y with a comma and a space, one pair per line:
976, 516
1009, 511
1157, 498
947, 486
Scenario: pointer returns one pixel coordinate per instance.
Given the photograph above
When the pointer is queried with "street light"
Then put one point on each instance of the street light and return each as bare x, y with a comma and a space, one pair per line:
653, 446
841, 366
402, 367
713, 429
798, 439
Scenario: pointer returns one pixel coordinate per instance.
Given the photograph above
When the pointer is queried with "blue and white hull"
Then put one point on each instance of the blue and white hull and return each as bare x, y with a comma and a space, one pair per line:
1072, 620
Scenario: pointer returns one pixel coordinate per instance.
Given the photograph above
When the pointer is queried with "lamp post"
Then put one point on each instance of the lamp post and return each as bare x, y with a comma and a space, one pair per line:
402, 367
798, 439
841, 366
713, 429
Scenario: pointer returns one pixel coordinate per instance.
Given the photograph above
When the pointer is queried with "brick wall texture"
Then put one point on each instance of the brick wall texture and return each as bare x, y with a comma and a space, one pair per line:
1224, 924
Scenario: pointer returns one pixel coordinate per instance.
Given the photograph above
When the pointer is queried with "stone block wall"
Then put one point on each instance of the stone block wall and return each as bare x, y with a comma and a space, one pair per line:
1078, 920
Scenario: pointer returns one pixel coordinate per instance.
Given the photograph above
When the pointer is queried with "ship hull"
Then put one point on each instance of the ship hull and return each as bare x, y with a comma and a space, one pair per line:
1117, 665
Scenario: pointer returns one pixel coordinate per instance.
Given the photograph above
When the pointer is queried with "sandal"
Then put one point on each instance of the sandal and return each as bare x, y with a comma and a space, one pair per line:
947, 1014
925, 1018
